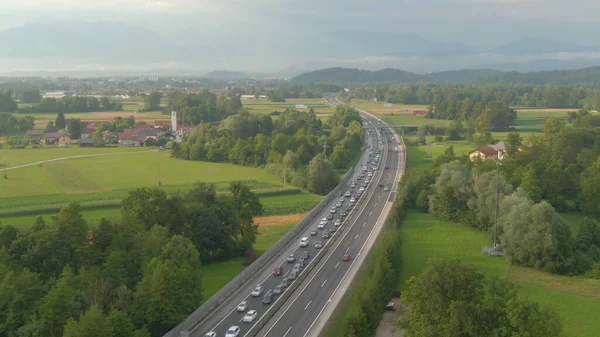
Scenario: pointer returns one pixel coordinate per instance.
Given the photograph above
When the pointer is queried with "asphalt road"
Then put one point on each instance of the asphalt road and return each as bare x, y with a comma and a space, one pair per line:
354, 230
307, 305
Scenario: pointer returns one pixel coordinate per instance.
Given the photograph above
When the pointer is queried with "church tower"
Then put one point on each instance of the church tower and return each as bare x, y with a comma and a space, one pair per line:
174, 121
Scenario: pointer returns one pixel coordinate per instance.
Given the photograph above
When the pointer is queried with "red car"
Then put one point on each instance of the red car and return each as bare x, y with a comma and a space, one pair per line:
329, 216
347, 257
278, 271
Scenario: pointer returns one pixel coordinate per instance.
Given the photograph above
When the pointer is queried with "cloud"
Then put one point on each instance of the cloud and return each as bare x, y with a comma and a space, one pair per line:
158, 4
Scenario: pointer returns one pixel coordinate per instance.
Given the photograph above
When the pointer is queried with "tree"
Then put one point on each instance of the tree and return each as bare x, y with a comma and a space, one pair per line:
531, 184
90, 324
321, 175
452, 190
171, 287
536, 236
483, 203
152, 101
31, 96
73, 127
513, 142
291, 160
247, 205
20, 292
452, 299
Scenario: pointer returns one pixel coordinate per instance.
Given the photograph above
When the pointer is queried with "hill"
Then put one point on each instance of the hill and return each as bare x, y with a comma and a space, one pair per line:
590, 75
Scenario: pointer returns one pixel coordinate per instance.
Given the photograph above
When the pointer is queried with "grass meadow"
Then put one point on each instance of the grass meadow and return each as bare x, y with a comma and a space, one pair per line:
577, 300
16, 157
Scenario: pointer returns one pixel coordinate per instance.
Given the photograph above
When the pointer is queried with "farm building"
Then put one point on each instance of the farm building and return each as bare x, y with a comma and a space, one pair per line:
419, 112
490, 152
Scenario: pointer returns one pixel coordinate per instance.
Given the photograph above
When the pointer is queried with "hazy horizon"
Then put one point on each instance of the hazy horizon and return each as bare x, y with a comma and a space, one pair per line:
270, 35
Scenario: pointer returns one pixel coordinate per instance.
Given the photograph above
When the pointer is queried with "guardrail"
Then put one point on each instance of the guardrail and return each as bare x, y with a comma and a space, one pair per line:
192, 321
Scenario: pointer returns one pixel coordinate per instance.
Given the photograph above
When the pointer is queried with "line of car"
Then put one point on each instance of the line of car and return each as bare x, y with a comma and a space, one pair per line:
288, 278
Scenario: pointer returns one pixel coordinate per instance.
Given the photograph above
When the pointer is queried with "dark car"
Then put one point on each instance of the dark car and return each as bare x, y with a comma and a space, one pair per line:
278, 271
268, 297
285, 282
332, 229
278, 289
347, 257
329, 216
343, 214
325, 235
305, 255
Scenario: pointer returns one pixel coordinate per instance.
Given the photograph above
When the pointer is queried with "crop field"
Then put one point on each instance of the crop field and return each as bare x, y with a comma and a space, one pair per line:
41, 119
379, 109
23, 211
577, 300
265, 107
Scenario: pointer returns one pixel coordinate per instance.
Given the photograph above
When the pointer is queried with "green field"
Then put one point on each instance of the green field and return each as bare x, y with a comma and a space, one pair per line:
265, 107
425, 237
122, 172
25, 156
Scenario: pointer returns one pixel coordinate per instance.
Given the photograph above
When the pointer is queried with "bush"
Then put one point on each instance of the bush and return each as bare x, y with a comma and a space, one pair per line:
250, 256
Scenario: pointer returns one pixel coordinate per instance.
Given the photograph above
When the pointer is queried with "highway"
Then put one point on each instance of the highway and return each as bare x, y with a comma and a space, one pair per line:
312, 296
308, 304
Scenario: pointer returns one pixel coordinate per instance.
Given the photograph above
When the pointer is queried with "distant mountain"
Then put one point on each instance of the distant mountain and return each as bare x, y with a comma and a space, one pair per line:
540, 45
589, 75
346, 75
227, 75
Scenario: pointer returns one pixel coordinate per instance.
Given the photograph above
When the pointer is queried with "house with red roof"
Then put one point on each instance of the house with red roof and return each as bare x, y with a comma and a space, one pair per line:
490, 152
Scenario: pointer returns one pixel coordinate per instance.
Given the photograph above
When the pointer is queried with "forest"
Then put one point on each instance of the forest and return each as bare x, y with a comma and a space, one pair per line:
556, 171
137, 277
72, 104
519, 95
589, 75
294, 142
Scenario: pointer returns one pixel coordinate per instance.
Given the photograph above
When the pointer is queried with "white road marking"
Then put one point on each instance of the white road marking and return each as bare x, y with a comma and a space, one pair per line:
376, 204
309, 302
364, 224
287, 332
337, 264
347, 249
323, 283
356, 237
370, 213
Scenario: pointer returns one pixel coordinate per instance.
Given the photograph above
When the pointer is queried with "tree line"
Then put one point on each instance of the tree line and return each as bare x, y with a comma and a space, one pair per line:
207, 107
10, 124
73, 104
137, 277
294, 142
522, 95
529, 228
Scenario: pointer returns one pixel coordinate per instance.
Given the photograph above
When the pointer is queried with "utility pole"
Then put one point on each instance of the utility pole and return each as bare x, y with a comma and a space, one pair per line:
284, 177
428, 145
497, 200
325, 148
5, 175
159, 183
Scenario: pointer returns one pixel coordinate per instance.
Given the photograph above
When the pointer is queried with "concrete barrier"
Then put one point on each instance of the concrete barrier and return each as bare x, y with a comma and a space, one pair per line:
194, 319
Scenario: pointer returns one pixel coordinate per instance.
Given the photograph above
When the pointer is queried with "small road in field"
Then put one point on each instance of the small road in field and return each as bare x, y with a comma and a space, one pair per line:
72, 157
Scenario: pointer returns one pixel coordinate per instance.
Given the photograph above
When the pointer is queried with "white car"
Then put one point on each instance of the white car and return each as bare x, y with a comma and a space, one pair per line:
257, 291
242, 306
338, 205
234, 331
332, 211
321, 225
361, 189
249, 316
337, 222
352, 200
210, 334
342, 199
304, 242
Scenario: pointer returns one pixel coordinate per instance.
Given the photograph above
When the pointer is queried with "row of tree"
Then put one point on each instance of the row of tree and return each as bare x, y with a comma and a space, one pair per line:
548, 96
296, 142
207, 107
10, 124
493, 116
73, 104
135, 278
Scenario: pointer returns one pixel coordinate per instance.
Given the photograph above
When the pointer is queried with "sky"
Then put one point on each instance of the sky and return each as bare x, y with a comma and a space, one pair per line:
484, 23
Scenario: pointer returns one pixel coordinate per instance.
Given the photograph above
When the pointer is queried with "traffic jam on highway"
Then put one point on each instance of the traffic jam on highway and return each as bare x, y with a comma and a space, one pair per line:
309, 246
